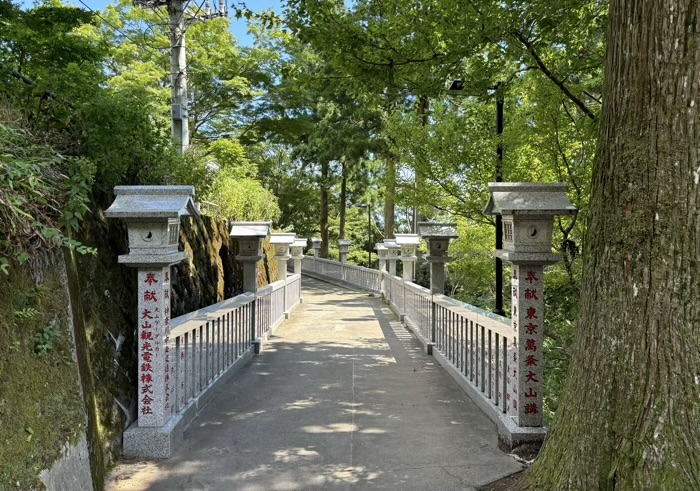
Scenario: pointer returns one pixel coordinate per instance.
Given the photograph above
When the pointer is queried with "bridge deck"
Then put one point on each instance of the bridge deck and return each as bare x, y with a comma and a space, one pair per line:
341, 398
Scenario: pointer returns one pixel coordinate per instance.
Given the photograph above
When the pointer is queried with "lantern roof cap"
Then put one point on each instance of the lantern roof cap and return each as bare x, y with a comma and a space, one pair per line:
391, 244
152, 202
300, 242
435, 230
283, 238
251, 229
407, 239
528, 198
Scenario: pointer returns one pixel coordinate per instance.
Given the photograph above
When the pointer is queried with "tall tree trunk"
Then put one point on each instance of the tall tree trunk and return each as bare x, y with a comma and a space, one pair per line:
629, 417
325, 184
389, 196
343, 199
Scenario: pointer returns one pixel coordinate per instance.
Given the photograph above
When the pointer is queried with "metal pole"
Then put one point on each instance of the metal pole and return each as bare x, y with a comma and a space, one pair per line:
369, 232
499, 224
178, 75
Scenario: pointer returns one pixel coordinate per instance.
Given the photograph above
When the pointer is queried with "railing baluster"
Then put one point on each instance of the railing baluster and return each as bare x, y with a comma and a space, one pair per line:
505, 373
483, 359
490, 365
498, 368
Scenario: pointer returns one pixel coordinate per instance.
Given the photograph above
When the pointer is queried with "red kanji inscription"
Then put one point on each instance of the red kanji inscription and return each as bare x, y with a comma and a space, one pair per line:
150, 279
531, 408
531, 294
530, 393
531, 277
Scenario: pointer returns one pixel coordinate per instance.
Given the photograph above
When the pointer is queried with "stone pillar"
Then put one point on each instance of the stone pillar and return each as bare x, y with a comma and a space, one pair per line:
344, 249
281, 243
438, 236
250, 271
155, 386
408, 243
528, 211
250, 236
526, 364
297, 250
316, 246
382, 253
152, 217
393, 251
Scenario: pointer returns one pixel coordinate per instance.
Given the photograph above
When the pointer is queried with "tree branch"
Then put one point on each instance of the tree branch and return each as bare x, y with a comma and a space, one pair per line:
553, 77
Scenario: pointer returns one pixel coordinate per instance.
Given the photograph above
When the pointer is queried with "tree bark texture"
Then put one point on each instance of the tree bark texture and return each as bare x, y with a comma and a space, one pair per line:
324, 209
389, 197
629, 417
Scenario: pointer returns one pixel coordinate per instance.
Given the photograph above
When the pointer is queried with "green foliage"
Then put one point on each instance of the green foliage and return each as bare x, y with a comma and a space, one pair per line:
44, 340
40, 192
243, 199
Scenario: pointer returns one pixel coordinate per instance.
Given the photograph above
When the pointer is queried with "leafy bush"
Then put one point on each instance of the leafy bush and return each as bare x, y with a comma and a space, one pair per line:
41, 192
45, 339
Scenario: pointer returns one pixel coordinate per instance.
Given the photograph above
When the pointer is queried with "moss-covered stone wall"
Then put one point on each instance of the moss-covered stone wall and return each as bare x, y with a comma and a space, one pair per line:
33, 429
41, 409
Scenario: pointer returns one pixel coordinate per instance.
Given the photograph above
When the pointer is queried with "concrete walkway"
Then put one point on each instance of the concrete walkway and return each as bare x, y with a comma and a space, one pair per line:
342, 398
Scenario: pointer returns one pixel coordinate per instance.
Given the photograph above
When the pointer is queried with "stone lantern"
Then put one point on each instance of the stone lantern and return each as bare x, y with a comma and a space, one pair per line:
316, 245
409, 244
344, 249
281, 242
298, 253
250, 236
437, 236
152, 215
382, 254
392, 254
528, 211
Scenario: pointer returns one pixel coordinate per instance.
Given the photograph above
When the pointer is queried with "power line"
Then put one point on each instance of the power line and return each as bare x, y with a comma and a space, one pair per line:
118, 30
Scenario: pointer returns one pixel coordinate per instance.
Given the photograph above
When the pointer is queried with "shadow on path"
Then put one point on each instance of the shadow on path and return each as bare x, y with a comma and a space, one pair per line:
341, 398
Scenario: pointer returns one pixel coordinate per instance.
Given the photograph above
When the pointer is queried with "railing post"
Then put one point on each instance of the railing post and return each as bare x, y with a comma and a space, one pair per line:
438, 236
152, 215
282, 242
527, 211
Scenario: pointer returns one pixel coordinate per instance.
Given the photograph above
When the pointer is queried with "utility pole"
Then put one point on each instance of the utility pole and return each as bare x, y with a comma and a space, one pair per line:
457, 88
179, 17
178, 74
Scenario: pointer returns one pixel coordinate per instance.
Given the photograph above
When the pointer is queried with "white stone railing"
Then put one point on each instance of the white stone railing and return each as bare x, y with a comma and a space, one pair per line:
474, 346
472, 341
349, 274
207, 342
206, 347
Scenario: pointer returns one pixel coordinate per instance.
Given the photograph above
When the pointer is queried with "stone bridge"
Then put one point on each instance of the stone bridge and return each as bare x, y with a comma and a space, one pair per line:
352, 378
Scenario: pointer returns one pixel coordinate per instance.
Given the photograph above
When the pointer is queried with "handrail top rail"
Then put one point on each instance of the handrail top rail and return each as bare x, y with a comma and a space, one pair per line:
204, 312
273, 287
344, 265
192, 319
